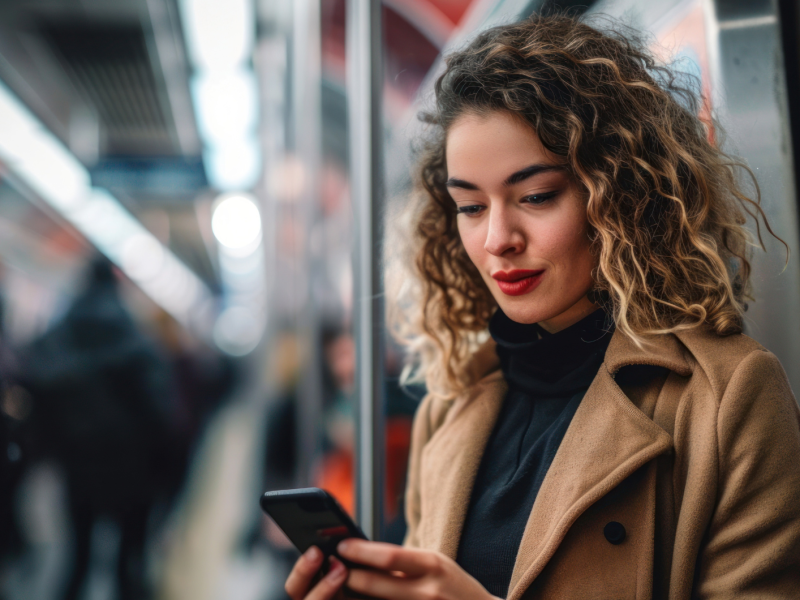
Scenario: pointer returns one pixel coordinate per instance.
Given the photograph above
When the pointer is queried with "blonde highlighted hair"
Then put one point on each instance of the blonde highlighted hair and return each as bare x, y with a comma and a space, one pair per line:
665, 205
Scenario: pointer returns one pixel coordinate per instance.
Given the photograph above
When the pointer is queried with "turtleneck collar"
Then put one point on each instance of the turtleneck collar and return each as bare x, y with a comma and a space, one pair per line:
541, 363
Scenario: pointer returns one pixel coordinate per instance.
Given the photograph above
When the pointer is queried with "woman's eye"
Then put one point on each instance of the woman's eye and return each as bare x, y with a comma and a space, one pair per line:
539, 198
473, 209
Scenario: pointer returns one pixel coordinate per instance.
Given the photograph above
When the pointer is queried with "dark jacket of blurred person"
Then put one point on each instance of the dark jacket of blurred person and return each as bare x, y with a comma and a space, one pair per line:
102, 398
201, 380
13, 458
101, 394
14, 412
12, 464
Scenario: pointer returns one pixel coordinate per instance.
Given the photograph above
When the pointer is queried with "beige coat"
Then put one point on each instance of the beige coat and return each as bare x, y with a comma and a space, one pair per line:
701, 467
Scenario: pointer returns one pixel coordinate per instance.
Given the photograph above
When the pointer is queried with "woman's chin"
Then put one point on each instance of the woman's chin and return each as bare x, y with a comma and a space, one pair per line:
522, 314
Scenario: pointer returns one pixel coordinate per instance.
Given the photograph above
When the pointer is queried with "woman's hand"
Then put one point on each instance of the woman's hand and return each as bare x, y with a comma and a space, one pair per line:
407, 574
300, 580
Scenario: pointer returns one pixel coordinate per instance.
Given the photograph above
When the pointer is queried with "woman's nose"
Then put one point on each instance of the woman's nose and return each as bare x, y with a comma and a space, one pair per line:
503, 236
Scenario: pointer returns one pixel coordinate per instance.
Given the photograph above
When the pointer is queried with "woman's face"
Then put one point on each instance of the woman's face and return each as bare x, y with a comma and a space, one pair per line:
521, 220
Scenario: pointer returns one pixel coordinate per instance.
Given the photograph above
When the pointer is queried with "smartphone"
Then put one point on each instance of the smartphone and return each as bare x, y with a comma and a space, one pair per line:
310, 517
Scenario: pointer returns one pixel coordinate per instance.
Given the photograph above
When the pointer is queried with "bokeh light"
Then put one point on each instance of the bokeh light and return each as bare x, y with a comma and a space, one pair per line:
236, 222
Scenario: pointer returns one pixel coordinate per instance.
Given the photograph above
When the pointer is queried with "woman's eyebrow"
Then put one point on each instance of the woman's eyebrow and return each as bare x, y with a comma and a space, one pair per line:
529, 172
460, 183
512, 179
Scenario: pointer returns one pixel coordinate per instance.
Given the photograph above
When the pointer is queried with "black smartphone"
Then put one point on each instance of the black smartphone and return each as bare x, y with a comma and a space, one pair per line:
310, 517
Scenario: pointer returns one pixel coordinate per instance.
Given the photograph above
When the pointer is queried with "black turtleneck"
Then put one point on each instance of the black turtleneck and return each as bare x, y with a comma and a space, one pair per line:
547, 376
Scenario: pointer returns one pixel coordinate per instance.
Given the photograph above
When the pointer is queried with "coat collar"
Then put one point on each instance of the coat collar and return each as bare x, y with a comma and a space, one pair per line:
607, 424
664, 350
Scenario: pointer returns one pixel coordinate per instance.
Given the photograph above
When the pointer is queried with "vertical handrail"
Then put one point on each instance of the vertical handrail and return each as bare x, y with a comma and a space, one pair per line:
306, 138
364, 83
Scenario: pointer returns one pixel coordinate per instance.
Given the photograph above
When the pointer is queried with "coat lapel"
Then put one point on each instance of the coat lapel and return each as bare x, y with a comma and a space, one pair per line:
607, 441
450, 463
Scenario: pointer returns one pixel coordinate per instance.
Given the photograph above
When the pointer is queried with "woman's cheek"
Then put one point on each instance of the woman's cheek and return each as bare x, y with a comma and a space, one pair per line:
564, 242
576, 261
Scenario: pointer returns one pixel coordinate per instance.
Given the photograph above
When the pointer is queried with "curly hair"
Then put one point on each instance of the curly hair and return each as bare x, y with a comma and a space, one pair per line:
665, 206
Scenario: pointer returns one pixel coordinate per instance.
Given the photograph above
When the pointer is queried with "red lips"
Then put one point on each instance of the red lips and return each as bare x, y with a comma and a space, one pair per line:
518, 281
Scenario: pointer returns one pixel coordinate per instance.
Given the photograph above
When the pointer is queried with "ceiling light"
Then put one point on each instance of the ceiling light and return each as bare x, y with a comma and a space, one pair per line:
234, 166
219, 33
226, 105
236, 222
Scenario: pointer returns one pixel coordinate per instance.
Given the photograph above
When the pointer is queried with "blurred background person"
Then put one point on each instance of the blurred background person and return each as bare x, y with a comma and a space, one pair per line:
201, 379
101, 410
279, 465
334, 470
14, 411
13, 458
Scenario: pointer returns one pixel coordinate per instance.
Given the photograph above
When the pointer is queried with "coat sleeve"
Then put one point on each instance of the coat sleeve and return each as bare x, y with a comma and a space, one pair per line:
426, 422
752, 547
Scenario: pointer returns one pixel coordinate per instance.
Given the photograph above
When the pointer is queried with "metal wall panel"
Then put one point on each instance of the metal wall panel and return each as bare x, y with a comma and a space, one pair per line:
749, 100
750, 78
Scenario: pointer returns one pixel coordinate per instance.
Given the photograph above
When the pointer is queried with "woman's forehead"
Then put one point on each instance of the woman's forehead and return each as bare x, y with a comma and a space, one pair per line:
496, 143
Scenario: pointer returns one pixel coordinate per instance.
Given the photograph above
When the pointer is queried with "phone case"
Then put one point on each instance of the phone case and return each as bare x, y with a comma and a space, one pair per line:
312, 517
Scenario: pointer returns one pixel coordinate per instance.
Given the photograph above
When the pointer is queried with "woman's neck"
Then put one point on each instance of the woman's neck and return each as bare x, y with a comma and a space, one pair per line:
582, 308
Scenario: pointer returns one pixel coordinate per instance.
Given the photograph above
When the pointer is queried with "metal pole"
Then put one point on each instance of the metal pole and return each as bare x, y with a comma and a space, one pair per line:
307, 139
364, 83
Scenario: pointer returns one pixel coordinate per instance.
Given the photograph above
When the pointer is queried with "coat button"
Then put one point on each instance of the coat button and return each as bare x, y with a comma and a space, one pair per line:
614, 532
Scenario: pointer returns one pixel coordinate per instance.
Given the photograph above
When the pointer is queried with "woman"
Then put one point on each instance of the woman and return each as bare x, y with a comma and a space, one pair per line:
618, 436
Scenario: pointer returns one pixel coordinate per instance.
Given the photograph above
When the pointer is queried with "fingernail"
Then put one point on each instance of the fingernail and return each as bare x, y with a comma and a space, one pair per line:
313, 554
337, 571
343, 547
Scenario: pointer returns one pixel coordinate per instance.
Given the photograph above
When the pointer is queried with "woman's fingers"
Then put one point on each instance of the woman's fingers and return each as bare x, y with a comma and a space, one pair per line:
299, 580
307, 566
382, 585
303, 572
390, 557
407, 573
329, 585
